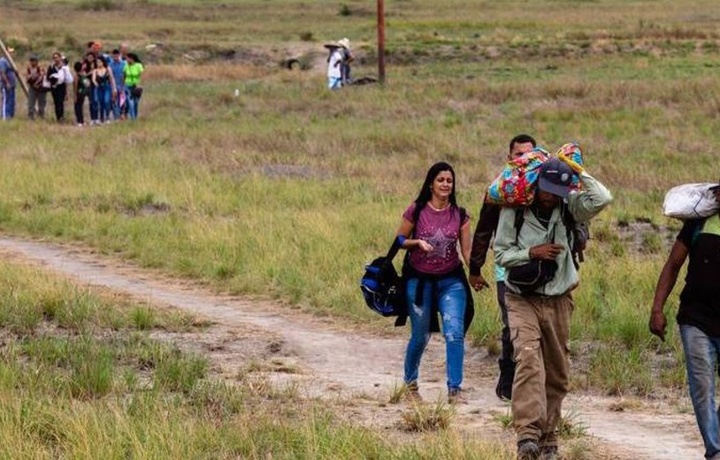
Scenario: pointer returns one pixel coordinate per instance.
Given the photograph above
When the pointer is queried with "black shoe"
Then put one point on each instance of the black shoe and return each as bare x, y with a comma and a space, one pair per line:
528, 450
503, 390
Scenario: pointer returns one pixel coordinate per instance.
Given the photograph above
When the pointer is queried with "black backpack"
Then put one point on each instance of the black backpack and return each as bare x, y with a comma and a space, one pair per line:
382, 287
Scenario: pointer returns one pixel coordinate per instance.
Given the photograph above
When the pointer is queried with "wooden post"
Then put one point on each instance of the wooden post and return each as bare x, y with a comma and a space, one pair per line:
381, 40
19, 77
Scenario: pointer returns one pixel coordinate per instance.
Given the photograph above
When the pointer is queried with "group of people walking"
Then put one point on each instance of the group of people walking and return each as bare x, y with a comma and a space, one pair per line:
109, 82
534, 363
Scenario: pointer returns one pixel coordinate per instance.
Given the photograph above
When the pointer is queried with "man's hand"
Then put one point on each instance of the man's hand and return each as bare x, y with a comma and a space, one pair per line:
547, 251
478, 282
658, 323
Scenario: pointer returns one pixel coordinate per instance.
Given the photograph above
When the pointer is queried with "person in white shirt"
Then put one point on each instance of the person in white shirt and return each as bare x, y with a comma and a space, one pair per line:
60, 77
334, 71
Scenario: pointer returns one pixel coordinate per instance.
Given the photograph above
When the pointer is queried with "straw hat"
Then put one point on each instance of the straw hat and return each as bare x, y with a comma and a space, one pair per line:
331, 45
345, 43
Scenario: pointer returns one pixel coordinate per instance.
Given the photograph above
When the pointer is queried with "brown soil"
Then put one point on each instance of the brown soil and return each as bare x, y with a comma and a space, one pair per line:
356, 372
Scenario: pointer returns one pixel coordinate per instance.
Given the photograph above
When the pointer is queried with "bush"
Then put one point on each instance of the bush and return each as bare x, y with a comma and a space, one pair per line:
99, 5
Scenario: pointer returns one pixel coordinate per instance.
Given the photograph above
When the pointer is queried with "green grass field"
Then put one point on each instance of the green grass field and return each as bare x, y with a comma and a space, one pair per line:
288, 189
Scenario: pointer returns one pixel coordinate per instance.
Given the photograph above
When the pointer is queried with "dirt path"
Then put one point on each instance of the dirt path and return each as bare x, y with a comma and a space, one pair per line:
364, 368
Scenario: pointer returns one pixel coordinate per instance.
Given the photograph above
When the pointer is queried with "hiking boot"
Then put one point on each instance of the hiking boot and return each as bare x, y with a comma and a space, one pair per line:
549, 453
455, 396
503, 390
412, 393
528, 450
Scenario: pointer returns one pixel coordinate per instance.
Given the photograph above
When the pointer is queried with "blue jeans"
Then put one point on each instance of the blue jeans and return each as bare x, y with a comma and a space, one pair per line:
94, 106
334, 83
451, 305
103, 95
132, 103
7, 103
701, 356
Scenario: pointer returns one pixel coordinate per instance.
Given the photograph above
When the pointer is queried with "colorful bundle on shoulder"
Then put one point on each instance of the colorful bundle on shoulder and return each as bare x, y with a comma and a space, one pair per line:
571, 153
515, 186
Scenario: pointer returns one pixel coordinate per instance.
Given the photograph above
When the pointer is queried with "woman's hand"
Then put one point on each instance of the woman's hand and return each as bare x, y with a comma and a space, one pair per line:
424, 246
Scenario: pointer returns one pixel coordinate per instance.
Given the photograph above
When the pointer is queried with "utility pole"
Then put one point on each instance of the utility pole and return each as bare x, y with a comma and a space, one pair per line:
381, 40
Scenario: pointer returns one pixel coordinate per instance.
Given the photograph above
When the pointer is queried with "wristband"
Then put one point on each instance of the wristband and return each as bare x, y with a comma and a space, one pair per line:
401, 240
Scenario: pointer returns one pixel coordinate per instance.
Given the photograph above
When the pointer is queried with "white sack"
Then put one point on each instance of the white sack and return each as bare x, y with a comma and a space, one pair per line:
690, 201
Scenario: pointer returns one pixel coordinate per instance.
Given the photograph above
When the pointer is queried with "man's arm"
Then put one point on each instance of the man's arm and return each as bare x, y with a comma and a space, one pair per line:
665, 284
594, 198
484, 230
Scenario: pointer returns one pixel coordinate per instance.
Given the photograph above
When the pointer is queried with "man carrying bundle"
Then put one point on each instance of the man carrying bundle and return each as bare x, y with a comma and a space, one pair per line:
699, 313
535, 244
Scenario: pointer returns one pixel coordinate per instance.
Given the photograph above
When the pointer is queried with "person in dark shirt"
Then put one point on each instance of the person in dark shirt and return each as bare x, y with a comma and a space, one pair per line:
698, 316
484, 231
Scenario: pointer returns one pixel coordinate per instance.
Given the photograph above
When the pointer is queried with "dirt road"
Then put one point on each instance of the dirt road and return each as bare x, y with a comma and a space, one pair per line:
343, 363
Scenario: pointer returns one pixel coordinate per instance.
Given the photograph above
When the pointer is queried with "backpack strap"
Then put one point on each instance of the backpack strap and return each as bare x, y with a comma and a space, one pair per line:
519, 221
697, 230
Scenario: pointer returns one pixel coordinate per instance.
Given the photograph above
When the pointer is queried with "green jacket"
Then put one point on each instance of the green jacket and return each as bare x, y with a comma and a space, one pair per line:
583, 206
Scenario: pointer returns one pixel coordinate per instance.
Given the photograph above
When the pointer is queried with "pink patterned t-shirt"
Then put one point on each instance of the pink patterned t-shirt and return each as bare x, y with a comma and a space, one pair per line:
442, 230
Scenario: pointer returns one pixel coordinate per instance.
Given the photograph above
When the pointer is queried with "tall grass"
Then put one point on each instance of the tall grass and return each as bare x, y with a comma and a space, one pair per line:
288, 189
85, 390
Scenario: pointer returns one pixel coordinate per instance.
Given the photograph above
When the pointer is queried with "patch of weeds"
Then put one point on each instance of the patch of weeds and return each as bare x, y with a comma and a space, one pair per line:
570, 426
580, 449
180, 321
217, 400
47, 350
224, 271
281, 366
92, 371
144, 203
76, 313
306, 36
504, 420
427, 417
652, 243
177, 372
71, 42
143, 318
397, 393
494, 347
131, 380
625, 404
619, 370
260, 386
99, 5
345, 10
43, 425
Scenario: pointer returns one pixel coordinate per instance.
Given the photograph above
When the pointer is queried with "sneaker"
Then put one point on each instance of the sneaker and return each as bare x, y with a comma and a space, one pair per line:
412, 393
549, 453
528, 450
455, 396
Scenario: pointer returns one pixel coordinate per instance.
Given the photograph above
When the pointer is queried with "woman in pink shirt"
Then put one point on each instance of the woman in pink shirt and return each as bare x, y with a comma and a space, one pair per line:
434, 275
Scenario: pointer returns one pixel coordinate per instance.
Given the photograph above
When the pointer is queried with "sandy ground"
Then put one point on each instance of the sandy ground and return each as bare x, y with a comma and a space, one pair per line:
357, 371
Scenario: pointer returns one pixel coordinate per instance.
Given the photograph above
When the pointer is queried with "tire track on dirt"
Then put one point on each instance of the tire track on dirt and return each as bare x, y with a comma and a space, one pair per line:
350, 363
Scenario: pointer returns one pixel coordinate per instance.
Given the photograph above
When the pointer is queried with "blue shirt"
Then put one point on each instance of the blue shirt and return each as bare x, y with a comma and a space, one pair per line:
118, 71
7, 69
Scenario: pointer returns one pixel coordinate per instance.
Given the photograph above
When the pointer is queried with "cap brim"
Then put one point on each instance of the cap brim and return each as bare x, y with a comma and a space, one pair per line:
549, 187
